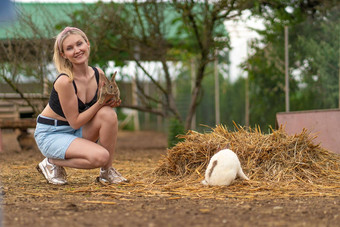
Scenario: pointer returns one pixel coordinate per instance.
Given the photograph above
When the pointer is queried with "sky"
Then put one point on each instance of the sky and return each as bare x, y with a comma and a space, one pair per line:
240, 34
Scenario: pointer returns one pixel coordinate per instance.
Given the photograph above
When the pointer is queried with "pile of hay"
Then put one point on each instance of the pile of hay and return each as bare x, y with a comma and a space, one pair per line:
273, 157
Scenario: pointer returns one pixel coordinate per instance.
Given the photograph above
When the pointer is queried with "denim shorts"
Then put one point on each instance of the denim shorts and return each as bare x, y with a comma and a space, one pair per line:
53, 141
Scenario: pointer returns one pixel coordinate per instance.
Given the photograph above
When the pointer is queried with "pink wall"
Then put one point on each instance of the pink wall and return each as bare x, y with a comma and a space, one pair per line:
325, 124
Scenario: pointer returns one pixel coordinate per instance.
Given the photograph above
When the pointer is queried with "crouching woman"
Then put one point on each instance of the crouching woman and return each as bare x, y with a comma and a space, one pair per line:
73, 121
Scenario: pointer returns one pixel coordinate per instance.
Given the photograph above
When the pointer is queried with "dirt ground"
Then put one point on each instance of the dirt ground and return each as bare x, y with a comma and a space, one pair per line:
27, 200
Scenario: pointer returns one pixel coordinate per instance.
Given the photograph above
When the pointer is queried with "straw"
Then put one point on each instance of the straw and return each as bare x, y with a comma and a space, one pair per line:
271, 157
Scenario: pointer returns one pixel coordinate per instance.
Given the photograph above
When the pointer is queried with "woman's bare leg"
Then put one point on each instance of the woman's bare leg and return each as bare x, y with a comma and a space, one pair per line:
104, 126
85, 153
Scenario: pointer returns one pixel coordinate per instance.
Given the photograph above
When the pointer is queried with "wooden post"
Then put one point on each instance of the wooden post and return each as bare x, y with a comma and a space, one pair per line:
286, 69
146, 114
1, 147
134, 88
45, 86
247, 102
217, 90
160, 126
134, 102
193, 121
247, 91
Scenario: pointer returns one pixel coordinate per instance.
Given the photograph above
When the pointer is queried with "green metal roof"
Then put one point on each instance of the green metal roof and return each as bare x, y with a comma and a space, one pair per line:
45, 15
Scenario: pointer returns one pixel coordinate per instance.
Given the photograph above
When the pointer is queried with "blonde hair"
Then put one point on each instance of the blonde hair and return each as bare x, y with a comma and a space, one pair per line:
64, 65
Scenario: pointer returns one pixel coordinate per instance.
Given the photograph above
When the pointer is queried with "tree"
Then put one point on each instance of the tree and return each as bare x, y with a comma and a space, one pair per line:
144, 31
313, 44
317, 60
201, 24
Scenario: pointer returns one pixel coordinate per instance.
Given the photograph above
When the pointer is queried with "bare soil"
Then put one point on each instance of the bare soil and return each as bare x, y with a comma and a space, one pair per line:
27, 200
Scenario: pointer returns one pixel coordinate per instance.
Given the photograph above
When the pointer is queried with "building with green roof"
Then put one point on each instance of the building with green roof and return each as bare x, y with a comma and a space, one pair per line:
43, 15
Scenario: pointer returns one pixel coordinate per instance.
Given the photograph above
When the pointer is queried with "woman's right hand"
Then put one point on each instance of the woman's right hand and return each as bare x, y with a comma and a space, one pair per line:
109, 101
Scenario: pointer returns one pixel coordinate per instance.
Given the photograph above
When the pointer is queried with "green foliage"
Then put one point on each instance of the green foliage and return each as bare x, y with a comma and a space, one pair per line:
232, 98
318, 60
185, 30
157, 31
176, 128
121, 116
313, 59
232, 102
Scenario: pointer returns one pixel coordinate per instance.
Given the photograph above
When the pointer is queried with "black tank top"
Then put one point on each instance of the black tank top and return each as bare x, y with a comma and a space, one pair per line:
54, 98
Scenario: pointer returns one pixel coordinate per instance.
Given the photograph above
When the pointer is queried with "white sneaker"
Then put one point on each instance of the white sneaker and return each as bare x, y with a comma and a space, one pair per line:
54, 174
110, 176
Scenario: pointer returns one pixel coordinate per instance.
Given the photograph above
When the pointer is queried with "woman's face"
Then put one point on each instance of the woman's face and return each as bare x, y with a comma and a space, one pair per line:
76, 49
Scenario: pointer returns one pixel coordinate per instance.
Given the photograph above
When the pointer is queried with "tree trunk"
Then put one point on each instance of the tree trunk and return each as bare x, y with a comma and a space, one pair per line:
195, 93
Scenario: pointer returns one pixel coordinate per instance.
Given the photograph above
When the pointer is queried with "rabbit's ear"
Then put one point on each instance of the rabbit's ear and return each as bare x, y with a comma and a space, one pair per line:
113, 77
104, 78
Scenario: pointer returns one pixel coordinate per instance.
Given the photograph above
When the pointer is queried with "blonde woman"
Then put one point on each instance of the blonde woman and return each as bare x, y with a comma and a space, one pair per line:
69, 127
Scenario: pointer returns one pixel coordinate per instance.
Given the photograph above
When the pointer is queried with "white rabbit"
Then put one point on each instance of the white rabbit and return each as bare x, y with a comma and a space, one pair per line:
223, 168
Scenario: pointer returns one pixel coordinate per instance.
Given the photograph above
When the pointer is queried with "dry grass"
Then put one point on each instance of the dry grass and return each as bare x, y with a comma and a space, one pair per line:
278, 165
274, 157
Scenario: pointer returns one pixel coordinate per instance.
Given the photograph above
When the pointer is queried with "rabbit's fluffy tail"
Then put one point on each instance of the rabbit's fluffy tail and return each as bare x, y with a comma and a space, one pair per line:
242, 175
204, 182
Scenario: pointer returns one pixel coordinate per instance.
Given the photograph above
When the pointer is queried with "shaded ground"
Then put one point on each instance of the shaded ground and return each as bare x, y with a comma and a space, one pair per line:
29, 201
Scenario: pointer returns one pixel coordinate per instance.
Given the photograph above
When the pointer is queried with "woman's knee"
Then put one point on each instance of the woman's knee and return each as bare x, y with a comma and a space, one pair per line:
107, 115
105, 118
100, 158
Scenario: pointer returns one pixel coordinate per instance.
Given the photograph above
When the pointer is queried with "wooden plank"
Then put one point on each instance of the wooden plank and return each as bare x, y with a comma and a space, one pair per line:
22, 102
26, 95
7, 109
23, 123
25, 109
7, 116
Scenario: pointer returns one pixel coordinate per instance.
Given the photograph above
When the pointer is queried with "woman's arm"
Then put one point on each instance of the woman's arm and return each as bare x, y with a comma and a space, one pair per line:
69, 103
